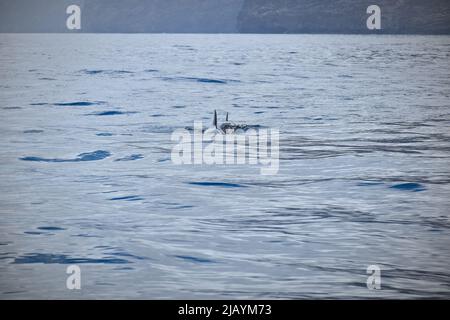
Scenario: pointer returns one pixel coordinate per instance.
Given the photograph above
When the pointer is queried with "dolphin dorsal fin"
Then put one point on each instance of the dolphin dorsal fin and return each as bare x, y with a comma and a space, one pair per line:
226, 118
215, 119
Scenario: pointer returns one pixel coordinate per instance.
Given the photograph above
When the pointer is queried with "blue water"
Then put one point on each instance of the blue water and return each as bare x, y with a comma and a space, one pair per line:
86, 175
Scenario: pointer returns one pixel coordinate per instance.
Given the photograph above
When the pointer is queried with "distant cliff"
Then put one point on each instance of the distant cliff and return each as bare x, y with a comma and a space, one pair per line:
178, 16
344, 16
207, 16
227, 16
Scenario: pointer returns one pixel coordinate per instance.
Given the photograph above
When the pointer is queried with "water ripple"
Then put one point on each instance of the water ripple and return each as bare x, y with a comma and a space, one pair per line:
409, 186
217, 184
64, 259
89, 156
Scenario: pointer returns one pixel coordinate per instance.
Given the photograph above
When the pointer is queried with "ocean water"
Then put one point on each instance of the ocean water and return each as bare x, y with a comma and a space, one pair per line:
86, 176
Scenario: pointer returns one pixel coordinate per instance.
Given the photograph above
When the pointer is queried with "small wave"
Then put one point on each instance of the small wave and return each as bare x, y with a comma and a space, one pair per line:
92, 71
124, 268
181, 207
104, 134
64, 259
155, 128
217, 184
184, 47
74, 104
108, 72
195, 259
51, 228
85, 235
119, 72
409, 186
210, 80
201, 80
131, 157
89, 156
369, 183
33, 232
33, 131
127, 255
127, 198
108, 113
111, 113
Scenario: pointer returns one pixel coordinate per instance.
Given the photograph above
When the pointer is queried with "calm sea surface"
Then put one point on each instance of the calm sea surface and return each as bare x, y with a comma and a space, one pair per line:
86, 176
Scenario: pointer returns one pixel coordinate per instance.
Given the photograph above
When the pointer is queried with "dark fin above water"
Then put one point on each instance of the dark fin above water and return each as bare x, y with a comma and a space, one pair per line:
215, 119
226, 119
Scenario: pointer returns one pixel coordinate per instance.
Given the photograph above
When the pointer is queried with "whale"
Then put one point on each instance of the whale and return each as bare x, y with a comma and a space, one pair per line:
227, 127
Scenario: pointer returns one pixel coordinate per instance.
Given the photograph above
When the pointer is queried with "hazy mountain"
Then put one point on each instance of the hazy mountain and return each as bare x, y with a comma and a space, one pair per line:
121, 15
162, 15
343, 16
258, 16
34, 16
